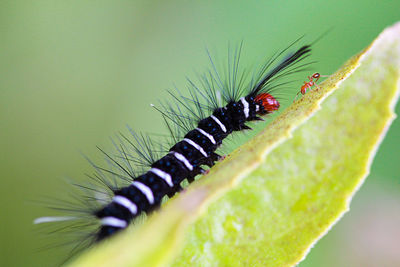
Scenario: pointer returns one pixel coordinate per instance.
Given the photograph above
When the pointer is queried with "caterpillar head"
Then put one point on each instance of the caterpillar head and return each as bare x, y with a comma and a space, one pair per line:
269, 102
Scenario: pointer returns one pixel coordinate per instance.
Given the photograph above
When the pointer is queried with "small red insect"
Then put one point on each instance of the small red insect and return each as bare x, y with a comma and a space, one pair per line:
307, 85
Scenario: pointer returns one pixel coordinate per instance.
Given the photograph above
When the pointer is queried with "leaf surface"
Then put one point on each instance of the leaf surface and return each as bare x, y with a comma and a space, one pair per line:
300, 175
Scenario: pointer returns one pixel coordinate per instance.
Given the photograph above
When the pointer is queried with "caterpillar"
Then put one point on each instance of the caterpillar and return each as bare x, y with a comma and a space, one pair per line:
140, 177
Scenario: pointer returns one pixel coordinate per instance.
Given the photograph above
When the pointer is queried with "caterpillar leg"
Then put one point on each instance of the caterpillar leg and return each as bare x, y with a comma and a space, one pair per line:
176, 190
245, 127
214, 157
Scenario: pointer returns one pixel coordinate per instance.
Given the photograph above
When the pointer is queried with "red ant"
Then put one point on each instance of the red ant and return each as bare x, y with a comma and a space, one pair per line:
311, 83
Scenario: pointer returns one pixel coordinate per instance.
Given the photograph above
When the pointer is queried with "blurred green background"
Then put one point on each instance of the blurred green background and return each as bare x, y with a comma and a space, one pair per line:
73, 73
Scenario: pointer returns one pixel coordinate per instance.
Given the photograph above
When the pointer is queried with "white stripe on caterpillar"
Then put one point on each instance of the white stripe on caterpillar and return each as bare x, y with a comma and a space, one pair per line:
163, 175
125, 202
199, 148
182, 159
145, 190
114, 222
209, 136
223, 128
245, 107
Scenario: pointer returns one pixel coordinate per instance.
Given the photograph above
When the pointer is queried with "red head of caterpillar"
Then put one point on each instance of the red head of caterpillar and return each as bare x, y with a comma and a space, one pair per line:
269, 102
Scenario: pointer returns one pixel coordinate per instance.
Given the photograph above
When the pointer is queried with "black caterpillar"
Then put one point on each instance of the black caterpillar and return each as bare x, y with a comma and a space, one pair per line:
184, 160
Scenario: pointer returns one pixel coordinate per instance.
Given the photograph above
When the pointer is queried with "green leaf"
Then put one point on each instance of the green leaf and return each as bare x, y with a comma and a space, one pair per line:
300, 175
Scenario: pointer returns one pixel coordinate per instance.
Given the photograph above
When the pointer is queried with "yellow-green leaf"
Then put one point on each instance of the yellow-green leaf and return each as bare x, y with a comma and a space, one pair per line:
300, 175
